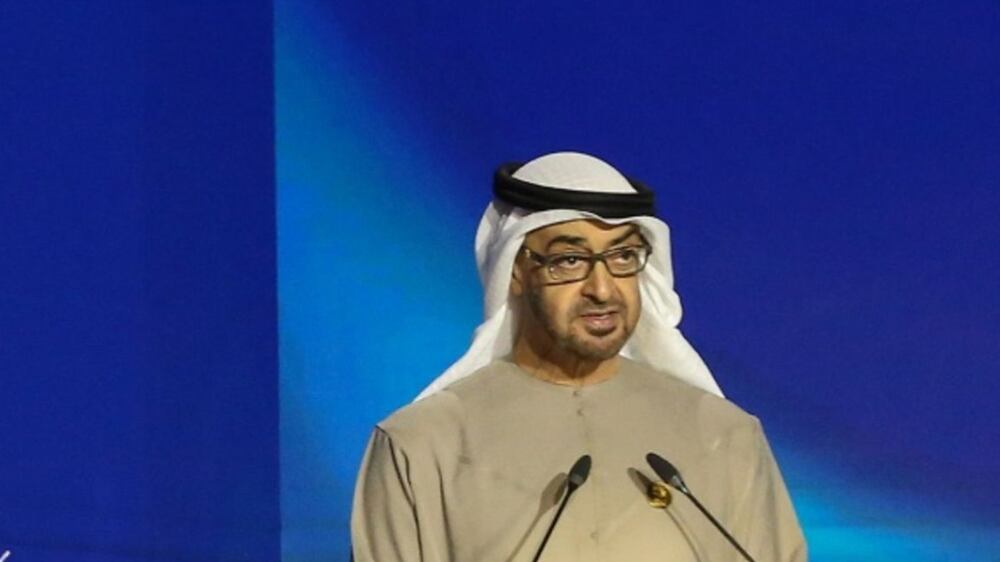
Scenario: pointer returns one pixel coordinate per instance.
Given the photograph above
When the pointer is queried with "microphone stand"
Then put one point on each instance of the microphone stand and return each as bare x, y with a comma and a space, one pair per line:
718, 525
672, 476
548, 533
577, 476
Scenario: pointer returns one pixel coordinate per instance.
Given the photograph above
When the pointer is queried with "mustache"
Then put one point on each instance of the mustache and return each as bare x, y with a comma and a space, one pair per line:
589, 308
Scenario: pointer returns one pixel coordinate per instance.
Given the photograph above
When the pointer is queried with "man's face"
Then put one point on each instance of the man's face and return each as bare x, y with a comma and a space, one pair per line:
592, 318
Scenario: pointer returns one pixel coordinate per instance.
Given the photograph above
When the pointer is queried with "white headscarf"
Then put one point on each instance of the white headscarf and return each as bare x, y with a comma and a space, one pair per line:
656, 341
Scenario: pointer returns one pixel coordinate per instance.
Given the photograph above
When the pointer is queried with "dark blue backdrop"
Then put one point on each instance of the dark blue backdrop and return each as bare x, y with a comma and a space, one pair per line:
829, 172
138, 354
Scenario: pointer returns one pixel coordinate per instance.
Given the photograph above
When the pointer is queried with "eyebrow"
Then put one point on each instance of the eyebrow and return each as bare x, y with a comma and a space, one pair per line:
566, 239
582, 242
626, 236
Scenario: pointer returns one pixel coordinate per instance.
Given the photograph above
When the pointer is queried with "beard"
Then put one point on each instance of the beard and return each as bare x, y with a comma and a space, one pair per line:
596, 345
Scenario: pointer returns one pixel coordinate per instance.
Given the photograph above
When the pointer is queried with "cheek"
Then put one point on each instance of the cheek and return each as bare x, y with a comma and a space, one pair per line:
557, 304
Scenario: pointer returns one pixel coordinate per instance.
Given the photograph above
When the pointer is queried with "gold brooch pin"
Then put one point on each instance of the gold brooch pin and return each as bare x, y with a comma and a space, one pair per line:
658, 495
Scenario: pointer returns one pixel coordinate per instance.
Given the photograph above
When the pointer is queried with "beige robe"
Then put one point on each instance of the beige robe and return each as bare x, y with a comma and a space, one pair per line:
474, 473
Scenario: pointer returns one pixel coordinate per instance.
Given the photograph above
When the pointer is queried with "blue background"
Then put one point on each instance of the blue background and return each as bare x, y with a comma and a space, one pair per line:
179, 180
830, 175
138, 308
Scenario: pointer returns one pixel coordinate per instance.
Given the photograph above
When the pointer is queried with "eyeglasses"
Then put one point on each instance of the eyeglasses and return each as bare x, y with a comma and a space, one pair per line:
568, 267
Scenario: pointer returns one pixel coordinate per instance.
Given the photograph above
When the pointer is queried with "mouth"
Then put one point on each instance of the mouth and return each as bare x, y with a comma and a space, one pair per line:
600, 323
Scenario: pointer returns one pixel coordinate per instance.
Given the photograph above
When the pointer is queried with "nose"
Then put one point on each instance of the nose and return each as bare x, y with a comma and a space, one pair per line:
599, 285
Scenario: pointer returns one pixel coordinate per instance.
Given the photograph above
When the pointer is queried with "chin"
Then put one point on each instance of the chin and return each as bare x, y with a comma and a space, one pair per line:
586, 348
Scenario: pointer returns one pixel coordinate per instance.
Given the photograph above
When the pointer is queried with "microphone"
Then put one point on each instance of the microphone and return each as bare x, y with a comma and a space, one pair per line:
577, 476
669, 474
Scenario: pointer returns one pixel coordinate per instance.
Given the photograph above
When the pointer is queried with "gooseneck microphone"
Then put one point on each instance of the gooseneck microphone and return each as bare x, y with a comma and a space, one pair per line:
577, 476
669, 474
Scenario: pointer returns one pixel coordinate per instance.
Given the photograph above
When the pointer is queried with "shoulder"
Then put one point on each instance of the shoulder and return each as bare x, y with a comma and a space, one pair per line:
441, 417
695, 408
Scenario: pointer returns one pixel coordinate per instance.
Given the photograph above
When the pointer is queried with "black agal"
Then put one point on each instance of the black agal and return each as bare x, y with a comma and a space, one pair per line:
536, 197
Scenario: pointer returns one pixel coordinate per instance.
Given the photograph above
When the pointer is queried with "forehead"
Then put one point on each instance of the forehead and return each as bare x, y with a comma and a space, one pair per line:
590, 231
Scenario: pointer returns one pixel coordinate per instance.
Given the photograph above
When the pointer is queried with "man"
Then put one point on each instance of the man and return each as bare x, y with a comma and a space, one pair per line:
579, 354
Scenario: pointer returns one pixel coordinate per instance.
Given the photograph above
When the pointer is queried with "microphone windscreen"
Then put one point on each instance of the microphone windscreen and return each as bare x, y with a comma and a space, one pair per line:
666, 471
581, 469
